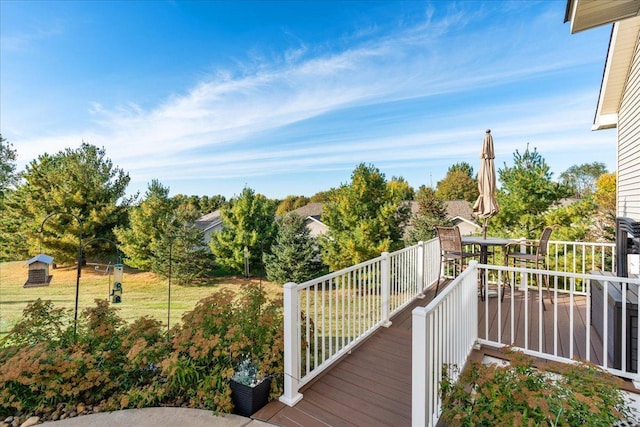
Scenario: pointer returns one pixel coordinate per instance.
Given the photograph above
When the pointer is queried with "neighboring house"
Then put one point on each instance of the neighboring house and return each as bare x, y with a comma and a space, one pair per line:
209, 223
312, 214
459, 212
212, 222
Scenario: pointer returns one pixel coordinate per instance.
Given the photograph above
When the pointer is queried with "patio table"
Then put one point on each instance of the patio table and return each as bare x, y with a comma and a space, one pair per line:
484, 243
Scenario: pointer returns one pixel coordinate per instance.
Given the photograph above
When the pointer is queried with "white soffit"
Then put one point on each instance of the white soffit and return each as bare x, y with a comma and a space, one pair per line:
624, 39
585, 14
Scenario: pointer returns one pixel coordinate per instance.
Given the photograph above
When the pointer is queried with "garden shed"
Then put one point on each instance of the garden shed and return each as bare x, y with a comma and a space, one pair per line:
38, 271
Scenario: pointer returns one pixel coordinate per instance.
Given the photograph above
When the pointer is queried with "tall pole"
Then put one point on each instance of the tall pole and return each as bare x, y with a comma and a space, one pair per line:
169, 296
75, 314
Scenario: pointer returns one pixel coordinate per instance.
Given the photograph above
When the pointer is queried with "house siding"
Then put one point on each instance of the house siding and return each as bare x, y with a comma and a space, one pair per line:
628, 180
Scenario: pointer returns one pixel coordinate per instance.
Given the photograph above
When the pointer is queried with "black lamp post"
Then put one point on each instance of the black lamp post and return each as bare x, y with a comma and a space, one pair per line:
75, 314
169, 292
172, 238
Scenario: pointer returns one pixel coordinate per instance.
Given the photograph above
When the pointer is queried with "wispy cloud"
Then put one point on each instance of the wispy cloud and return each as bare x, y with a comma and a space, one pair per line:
238, 123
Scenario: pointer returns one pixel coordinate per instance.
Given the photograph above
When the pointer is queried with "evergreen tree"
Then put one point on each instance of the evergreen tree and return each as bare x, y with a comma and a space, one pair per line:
431, 213
294, 256
247, 221
160, 228
147, 226
181, 240
81, 182
12, 244
527, 192
365, 218
8, 175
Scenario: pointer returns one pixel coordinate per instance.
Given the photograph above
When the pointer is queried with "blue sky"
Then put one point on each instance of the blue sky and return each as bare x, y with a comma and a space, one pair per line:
288, 97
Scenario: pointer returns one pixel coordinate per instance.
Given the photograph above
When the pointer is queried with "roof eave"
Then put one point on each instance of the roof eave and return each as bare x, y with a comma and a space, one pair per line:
624, 36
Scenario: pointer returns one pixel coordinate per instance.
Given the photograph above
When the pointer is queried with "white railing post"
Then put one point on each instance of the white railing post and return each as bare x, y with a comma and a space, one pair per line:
385, 283
420, 269
420, 374
524, 277
291, 394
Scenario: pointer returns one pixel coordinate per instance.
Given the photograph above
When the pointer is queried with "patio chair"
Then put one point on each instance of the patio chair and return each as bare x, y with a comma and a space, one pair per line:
451, 250
523, 252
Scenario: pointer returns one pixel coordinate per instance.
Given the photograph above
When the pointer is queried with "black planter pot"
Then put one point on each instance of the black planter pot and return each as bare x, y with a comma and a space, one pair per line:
248, 400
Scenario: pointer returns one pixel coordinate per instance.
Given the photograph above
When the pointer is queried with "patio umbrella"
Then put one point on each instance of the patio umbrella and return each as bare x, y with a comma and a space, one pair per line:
486, 206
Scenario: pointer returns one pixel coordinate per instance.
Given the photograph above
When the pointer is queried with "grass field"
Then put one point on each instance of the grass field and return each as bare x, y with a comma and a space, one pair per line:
143, 293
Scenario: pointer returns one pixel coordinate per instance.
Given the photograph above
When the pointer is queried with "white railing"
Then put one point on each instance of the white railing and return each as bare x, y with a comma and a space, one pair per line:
443, 335
324, 318
582, 316
581, 257
566, 257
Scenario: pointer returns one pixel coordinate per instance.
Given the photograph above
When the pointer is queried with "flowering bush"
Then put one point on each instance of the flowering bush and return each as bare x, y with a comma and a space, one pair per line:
117, 365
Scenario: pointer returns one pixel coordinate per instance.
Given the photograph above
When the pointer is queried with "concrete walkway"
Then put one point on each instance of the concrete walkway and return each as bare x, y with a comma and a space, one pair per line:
157, 417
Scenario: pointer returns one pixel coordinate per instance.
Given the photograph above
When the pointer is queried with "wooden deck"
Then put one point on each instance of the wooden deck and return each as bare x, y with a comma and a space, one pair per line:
372, 385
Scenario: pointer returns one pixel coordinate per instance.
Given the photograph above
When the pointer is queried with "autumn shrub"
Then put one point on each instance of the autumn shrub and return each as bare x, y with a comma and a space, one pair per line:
41, 322
215, 337
518, 393
42, 365
116, 365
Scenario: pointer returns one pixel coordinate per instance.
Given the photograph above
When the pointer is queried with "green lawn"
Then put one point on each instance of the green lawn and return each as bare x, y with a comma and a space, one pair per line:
143, 293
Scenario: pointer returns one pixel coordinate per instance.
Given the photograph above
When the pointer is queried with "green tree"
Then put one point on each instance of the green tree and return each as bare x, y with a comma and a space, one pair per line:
321, 196
294, 256
8, 175
291, 203
203, 204
458, 184
183, 241
161, 227
147, 221
13, 228
365, 218
572, 222
604, 229
247, 221
431, 213
82, 182
527, 192
464, 167
581, 179
605, 194
12, 245
400, 189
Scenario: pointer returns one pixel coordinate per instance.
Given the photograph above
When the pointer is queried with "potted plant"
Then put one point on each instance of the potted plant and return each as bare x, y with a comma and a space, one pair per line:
249, 389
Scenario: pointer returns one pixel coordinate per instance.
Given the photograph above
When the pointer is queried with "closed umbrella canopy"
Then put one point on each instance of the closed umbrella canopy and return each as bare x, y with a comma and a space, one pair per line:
486, 206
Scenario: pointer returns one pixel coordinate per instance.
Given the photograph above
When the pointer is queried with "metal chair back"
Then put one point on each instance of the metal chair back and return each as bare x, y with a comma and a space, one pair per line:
543, 244
450, 239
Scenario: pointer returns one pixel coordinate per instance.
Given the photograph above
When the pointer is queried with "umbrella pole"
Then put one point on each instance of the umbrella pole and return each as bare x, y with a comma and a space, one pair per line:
484, 228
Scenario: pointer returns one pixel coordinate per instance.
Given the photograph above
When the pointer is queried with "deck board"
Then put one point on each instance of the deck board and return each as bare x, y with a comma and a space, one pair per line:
372, 385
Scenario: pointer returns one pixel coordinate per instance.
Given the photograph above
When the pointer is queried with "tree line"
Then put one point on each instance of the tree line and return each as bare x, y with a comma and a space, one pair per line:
368, 215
